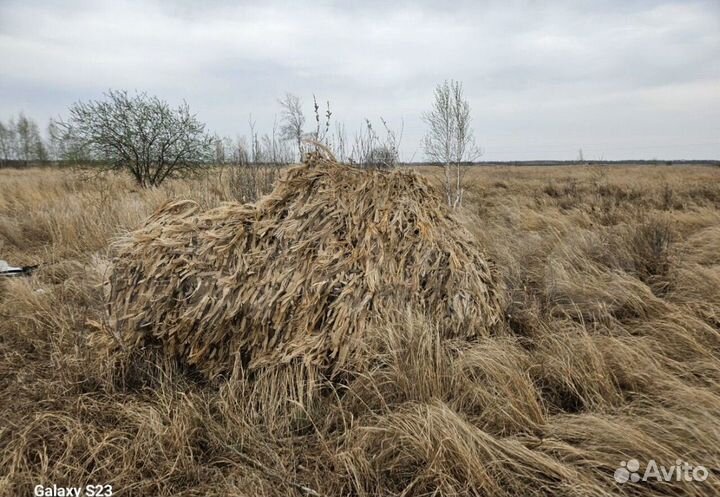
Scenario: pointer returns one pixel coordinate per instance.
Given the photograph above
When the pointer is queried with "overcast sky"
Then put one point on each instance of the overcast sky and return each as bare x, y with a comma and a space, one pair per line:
619, 79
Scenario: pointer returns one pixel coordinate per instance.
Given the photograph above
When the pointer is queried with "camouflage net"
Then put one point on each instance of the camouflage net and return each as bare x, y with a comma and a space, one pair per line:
303, 275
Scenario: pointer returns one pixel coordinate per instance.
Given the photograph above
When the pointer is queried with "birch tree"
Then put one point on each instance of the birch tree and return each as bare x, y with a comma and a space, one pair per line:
450, 141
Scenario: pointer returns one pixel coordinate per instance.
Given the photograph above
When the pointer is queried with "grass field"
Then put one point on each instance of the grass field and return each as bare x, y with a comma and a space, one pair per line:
610, 351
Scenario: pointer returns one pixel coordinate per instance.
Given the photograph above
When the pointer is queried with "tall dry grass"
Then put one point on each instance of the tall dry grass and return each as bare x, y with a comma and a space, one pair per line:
610, 351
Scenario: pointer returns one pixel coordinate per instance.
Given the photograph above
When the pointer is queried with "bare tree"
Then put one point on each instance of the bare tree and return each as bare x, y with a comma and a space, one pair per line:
292, 120
373, 150
338, 142
56, 146
239, 154
219, 151
21, 141
450, 141
7, 143
140, 134
256, 165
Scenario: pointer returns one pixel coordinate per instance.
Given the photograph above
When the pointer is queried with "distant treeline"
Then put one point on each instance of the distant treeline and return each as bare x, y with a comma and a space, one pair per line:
15, 163
23, 145
627, 162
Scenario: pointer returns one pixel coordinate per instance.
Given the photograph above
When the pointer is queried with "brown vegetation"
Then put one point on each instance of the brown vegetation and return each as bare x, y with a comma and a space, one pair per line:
295, 284
609, 350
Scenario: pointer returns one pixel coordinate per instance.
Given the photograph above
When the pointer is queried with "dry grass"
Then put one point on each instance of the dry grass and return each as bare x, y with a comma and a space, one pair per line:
609, 350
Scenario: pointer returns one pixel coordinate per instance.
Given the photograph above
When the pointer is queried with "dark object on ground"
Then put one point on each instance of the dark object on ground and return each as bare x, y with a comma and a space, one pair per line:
9, 271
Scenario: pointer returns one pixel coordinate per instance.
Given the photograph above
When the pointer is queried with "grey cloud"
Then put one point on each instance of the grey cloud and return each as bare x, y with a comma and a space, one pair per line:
625, 79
